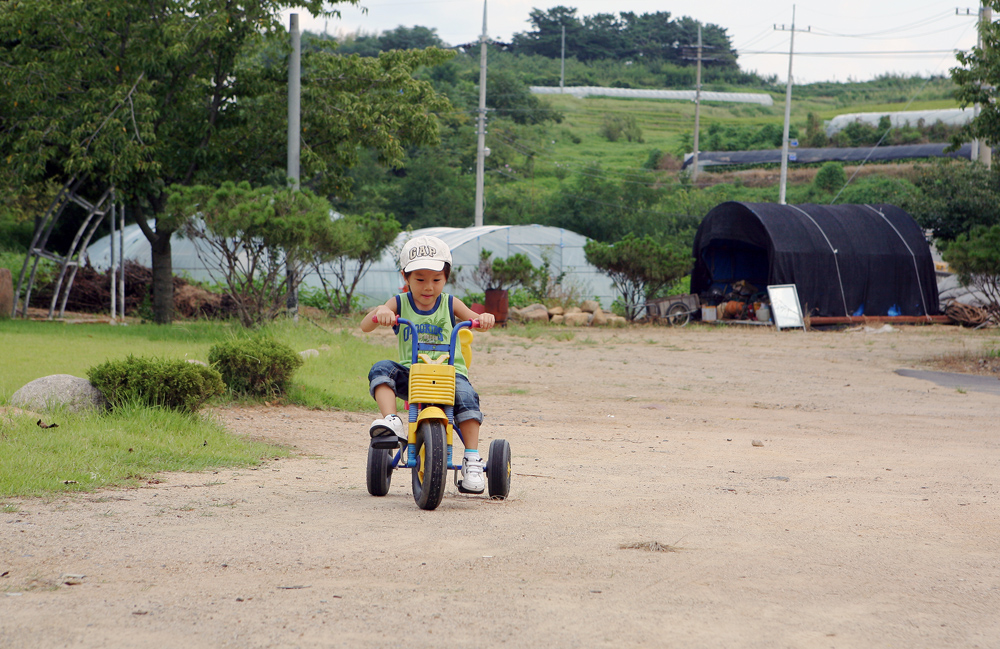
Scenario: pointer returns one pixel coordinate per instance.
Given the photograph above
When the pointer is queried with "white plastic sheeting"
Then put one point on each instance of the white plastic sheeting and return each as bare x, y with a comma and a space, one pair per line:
947, 116
562, 248
639, 93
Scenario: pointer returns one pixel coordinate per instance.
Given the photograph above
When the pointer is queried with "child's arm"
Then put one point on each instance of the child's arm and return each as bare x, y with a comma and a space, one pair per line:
462, 312
384, 313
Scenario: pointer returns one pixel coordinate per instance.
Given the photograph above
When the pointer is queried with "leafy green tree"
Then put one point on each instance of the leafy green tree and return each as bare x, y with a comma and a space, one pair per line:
978, 80
346, 250
510, 98
975, 256
255, 232
956, 196
143, 96
639, 267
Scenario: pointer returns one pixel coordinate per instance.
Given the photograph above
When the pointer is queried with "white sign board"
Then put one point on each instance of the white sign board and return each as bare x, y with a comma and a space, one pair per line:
785, 308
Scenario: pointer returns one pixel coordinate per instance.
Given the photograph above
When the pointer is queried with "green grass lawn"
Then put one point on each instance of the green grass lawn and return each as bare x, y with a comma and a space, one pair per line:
123, 447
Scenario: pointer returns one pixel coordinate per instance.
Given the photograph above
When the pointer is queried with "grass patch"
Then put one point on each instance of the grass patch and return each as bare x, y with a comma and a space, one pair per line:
649, 546
337, 378
90, 451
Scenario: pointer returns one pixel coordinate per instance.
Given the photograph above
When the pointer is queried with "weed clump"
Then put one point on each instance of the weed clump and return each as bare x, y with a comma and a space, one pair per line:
174, 384
256, 367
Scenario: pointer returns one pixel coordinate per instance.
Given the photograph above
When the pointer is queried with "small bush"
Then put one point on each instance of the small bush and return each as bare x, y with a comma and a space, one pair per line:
173, 384
831, 176
257, 367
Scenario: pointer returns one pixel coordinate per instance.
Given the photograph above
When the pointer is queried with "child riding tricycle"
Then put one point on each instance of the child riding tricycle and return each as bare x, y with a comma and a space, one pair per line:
434, 335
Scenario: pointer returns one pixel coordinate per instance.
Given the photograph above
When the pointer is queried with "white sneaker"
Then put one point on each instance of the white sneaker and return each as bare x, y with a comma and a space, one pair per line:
473, 480
388, 425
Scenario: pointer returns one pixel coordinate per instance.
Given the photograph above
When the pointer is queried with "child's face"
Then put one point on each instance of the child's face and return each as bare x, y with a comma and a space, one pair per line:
426, 286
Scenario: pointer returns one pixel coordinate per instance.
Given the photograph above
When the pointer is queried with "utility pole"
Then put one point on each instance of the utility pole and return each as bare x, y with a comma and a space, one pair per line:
788, 107
562, 65
294, 145
481, 151
985, 148
697, 110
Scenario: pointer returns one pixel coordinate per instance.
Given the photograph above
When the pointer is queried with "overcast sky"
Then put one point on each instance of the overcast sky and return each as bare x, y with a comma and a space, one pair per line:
849, 39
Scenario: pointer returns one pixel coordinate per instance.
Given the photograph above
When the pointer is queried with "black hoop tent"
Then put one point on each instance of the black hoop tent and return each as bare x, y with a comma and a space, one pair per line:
845, 260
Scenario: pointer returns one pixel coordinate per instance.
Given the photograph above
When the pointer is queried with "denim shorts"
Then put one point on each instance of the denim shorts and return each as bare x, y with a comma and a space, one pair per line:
397, 377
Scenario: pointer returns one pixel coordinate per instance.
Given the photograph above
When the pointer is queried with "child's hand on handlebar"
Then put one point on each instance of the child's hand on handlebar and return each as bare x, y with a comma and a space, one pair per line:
384, 316
486, 321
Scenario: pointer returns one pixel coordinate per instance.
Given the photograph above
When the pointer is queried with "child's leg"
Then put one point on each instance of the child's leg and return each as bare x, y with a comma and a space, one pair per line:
470, 433
385, 398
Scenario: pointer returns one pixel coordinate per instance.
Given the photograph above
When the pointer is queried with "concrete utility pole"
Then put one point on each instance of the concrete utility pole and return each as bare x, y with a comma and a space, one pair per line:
294, 144
788, 107
562, 66
294, 101
985, 148
697, 110
481, 150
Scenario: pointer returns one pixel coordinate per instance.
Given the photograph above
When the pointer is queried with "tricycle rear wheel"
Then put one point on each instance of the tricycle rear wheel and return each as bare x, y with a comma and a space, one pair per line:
498, 469
379, 474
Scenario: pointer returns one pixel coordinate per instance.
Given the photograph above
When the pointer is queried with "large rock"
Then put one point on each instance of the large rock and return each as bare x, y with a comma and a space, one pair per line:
535, 313
6, 293
590, 306
59, 391
600, 318
580, 319
558, 319
556, 310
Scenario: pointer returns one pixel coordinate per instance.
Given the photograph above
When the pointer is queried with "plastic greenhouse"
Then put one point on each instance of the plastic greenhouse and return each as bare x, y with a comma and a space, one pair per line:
562, 248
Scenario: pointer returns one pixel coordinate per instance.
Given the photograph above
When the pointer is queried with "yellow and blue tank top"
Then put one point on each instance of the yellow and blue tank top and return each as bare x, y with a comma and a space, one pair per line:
433, 327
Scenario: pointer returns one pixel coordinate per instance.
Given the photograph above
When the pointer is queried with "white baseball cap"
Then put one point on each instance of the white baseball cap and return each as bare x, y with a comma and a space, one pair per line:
424, 253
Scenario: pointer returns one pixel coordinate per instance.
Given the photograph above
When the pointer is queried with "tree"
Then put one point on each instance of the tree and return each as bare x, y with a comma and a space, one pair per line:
146, 95
503, 274
255, 232
638, 267
978, 81
956, 196
975, 256
346, 250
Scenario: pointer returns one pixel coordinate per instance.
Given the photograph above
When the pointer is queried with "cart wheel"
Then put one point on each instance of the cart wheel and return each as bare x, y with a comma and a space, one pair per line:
678, 315
429, 476
498, 469
379, 470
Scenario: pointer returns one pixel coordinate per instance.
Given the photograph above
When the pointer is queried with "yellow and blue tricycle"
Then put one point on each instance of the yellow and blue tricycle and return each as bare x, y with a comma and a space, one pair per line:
428, 450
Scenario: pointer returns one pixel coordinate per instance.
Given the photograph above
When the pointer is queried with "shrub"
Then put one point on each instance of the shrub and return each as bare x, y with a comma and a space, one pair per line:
257, 366
831, 176
174, 384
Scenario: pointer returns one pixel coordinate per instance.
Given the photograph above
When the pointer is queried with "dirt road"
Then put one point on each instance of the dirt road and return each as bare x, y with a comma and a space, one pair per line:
866, 515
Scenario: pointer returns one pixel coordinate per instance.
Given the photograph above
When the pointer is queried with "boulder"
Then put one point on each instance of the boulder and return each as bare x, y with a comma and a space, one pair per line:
6, 293
558, 319
535, 313
556, 310
616, 321
590, 306
513, 314
579, 319
59, 391
600, 319
574, 309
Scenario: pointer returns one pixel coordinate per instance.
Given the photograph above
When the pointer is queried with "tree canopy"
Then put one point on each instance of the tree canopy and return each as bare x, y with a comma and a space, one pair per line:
650, 36
978, 81
145, 95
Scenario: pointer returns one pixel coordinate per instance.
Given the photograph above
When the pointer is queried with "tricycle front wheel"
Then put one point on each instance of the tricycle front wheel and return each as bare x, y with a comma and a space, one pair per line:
429, 476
